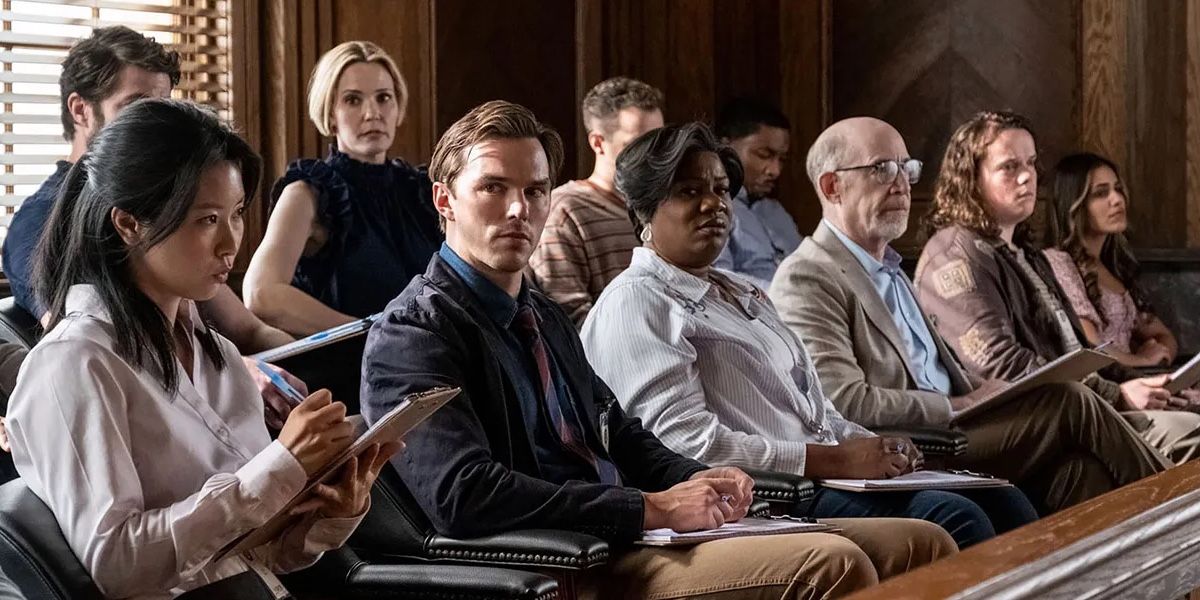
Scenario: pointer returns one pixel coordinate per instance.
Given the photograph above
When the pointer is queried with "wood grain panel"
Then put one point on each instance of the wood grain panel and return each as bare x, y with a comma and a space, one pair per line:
1054, 533
1192, 80
589, 69
518, 50
804, 33
746, 48
669, 45
952, 58
1156, 170
1104, 127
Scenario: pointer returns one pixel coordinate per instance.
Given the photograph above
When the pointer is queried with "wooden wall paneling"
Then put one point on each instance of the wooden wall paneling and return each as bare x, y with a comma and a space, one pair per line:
247, 94
690, 82
1156, 170
925, 67
1192, 129
803, 29
1104, 126
746, 43
667, 44
403, 29
519, 50
589, 70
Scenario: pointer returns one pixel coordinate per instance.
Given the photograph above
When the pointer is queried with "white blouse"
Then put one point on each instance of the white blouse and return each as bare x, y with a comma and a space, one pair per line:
146, 486
726, 383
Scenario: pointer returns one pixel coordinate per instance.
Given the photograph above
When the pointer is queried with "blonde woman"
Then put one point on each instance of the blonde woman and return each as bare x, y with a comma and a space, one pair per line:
348, 232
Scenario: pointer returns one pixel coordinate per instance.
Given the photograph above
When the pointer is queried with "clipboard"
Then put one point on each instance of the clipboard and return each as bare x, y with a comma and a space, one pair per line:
1185, 377
409, 413
917, 481
1067, 368
749, 526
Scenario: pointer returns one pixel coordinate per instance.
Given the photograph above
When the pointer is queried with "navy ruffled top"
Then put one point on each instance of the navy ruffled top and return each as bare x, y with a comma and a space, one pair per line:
382, 229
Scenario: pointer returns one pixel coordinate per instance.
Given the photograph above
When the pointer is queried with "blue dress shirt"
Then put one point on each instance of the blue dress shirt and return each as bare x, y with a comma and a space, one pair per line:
893, 286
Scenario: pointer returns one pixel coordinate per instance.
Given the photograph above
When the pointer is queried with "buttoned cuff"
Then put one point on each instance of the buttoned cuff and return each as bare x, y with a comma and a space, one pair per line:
791, 457
273, 477
329, 533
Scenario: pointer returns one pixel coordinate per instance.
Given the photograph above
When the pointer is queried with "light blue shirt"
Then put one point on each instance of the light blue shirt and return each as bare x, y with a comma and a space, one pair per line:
895, 289
763, 235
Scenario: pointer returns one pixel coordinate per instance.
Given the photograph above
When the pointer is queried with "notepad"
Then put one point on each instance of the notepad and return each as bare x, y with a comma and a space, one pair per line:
1072, 367
918, 480
1185, 377
409, 413
749, 526
319, 339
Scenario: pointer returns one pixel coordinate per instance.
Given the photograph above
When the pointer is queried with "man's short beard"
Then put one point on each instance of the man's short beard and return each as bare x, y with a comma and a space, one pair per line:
891, 228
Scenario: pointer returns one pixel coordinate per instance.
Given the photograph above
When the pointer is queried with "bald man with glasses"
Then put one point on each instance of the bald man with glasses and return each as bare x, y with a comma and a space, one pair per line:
881, 361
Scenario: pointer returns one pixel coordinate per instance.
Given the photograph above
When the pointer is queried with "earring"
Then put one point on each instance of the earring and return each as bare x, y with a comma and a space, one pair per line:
647, 235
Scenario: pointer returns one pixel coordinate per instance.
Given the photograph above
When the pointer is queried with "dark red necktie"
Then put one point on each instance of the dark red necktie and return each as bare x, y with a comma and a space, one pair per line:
569, 431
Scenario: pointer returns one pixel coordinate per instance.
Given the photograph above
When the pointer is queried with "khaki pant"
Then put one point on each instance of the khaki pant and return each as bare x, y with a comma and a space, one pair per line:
1174, 433
1062, 444
798, 566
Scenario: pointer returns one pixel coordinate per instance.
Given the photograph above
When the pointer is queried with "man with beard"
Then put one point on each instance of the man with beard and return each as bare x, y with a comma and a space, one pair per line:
763, 231
879, 357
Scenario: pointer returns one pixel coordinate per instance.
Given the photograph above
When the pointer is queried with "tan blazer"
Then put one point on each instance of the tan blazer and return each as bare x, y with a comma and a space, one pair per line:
825, 296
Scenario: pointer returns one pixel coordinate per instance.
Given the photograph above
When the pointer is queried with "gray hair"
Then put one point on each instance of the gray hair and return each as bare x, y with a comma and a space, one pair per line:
829, 153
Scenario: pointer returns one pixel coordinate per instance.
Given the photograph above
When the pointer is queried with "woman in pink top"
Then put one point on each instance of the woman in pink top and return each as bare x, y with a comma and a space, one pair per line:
1094, 264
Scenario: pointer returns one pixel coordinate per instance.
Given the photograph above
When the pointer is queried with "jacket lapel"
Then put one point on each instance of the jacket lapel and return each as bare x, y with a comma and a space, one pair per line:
959, 382
865, 291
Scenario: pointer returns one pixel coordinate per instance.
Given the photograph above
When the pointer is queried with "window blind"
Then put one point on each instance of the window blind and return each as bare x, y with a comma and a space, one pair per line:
34, 38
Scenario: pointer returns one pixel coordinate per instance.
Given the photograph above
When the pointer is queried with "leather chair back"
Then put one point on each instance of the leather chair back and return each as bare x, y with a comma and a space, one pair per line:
17, 325
34, 555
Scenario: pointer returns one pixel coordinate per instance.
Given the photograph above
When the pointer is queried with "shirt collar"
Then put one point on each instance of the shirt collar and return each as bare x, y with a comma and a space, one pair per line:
499, 306
891, 258
693, 288
84, 299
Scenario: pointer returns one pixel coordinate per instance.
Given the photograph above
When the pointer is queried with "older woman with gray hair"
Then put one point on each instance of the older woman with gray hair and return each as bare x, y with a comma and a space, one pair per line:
702, 357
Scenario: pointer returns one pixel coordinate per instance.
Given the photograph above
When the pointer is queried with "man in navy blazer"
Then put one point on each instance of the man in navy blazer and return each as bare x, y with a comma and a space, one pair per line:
536, 440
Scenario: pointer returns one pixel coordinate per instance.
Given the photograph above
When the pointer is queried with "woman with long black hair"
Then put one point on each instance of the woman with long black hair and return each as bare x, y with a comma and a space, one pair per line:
135, 422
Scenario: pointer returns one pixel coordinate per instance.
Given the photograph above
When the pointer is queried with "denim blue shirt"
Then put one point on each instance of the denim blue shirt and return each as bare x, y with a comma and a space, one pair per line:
557, 463
23, 234
763, 235
895, 289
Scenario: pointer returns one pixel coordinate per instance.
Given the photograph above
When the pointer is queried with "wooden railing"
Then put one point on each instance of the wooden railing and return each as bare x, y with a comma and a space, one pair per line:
1140, 541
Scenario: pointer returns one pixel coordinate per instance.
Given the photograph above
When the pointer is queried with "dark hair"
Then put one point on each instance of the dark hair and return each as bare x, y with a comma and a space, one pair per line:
610, 96
741, 117
1067, 223
147, 162
956, 199
93, 66
646, 167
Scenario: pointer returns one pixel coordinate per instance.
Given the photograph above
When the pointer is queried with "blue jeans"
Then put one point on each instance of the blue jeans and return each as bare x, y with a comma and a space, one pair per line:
969, 516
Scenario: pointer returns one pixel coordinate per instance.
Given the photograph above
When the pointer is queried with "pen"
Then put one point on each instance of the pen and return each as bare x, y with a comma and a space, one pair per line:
277, 380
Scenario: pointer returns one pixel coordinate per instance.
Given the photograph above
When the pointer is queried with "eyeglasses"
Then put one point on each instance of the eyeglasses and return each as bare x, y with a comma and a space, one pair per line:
885, 171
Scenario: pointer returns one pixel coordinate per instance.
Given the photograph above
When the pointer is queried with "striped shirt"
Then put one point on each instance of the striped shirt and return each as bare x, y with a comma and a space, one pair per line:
716, 375
587, 242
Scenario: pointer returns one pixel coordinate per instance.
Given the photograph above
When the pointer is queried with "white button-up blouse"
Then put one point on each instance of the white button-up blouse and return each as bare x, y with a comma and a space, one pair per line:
148, 486
722, 381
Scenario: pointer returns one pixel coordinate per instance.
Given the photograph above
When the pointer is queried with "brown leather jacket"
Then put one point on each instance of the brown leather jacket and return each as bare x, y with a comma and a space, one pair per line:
988, 310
